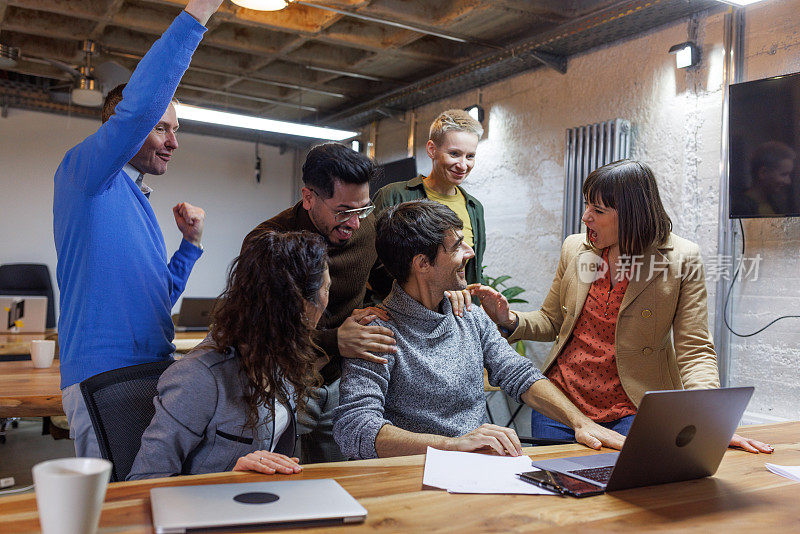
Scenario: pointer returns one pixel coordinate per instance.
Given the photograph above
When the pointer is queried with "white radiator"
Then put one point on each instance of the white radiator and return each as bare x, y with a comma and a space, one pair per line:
590, 147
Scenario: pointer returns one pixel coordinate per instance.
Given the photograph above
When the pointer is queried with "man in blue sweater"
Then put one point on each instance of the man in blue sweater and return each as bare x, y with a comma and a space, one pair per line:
117, 284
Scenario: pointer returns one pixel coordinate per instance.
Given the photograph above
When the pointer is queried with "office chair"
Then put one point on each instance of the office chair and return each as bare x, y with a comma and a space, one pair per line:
120, 406
29, 279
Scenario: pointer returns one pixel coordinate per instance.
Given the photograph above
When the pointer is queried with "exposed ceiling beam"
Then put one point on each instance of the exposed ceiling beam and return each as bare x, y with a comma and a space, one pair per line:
400, 24
3, 8
155, 28
113, 9
246, 97
618, 10
351, 74
553, 61
238, 76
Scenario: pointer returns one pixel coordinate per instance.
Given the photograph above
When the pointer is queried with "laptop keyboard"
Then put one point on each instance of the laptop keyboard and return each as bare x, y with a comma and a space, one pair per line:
599, 474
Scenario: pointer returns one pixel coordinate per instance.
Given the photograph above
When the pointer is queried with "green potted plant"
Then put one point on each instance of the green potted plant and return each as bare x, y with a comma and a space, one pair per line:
511, 293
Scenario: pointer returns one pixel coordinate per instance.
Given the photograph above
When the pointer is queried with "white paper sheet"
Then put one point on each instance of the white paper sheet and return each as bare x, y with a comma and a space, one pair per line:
467, 472
789, 471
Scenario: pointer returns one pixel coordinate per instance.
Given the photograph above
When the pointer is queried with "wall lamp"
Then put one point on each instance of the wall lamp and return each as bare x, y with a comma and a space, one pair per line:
476, 112
686, 54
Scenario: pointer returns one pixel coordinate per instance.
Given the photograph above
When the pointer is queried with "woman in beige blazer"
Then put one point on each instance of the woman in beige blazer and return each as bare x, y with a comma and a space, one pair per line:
628, 266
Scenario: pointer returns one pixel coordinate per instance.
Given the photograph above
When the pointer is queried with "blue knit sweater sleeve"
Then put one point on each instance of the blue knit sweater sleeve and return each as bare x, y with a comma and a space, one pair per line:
180, 267
96, 161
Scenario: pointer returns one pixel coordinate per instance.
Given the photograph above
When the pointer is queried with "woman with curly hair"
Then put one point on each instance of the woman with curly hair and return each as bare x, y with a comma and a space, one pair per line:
231, 404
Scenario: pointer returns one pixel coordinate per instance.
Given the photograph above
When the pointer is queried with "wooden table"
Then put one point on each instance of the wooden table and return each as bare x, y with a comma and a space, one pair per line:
13, 344
29, 392
742, 496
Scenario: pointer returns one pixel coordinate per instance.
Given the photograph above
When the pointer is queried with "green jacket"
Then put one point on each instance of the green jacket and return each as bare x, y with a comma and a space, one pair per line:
413, 189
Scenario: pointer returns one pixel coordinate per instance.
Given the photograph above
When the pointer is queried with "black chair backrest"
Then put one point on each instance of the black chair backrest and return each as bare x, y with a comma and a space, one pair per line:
120, 406
29, 279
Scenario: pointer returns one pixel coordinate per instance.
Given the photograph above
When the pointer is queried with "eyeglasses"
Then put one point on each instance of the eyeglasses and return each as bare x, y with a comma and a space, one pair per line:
345, 215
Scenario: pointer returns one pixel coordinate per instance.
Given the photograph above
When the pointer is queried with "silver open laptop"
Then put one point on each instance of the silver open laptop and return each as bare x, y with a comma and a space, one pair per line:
285, 503
22, 314
676, 435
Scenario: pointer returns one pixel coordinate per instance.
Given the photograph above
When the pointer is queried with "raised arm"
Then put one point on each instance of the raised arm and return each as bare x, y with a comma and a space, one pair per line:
202, 9
147, 95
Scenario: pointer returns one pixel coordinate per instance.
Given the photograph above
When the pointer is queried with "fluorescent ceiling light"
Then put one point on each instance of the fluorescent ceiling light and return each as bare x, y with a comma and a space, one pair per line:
194, 113
262, 5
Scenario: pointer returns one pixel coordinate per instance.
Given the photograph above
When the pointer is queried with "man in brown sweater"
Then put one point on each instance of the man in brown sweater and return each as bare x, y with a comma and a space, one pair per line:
335, 204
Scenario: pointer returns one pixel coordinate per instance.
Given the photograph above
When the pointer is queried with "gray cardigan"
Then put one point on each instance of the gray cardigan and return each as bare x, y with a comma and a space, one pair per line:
199, 424
434, 383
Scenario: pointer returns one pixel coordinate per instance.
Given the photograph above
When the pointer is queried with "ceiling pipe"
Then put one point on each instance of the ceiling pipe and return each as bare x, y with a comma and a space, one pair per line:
399, 24
530, 47
235, 75
246, 97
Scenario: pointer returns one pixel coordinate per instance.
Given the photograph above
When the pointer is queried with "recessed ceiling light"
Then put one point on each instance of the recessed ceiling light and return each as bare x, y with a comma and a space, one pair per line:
224, 118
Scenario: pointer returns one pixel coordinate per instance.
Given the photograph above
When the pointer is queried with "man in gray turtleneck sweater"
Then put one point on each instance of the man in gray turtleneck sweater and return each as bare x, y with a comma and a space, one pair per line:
430, 393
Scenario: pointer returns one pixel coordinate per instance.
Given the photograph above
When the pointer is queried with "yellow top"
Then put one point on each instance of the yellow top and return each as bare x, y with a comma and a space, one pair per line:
457, 203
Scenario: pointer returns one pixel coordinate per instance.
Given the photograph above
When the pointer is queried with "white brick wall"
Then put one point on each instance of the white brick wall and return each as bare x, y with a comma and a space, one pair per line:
677, 127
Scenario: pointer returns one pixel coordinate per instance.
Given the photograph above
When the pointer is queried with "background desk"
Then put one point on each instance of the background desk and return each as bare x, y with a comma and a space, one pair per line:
743, 496
29, 392
20, 344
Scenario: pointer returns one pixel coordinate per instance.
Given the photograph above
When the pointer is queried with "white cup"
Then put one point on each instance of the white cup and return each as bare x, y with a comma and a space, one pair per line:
42, 352
70, 493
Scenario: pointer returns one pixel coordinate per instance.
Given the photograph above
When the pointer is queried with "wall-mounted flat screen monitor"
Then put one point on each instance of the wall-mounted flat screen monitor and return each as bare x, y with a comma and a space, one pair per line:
764, 137
394, 171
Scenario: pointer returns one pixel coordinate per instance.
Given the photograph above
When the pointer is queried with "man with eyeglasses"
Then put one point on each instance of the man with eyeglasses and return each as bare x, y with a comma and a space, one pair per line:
335, 204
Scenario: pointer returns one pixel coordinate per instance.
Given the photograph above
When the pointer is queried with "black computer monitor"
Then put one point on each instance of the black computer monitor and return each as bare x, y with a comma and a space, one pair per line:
394, 171
764, 137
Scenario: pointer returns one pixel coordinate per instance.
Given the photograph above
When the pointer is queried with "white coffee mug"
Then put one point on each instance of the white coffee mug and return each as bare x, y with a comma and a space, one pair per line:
70, 493
42, 352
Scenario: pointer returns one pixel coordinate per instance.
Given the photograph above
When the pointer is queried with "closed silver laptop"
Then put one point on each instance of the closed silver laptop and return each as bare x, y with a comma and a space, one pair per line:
285, 503
676, 435
22, 314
